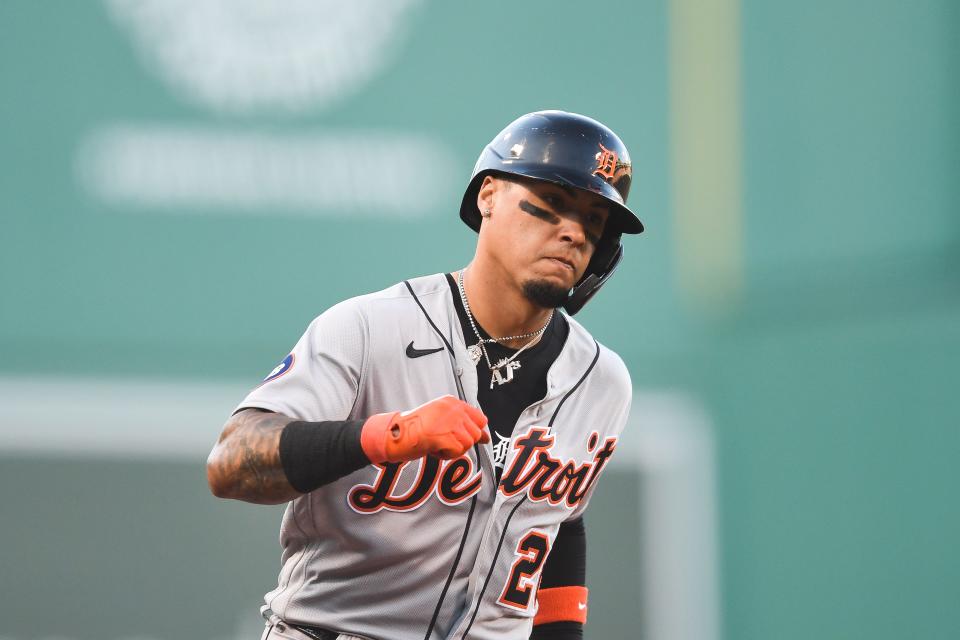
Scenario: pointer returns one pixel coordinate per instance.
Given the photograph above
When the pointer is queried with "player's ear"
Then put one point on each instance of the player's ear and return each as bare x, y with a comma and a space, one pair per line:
487, 195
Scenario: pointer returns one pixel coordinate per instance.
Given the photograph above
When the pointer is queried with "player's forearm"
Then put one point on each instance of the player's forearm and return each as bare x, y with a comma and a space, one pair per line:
562, 594
269, 458
245, 463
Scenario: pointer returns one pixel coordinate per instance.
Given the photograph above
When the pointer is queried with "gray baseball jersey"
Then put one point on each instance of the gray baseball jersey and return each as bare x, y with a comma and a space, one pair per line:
430, 548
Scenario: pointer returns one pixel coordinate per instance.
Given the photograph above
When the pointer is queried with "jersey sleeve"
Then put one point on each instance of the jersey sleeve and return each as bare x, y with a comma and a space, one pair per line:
321, 377
614, 390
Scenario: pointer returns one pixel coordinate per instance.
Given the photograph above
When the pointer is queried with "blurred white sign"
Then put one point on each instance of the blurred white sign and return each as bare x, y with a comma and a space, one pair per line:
245, 57
241, 56
317, 173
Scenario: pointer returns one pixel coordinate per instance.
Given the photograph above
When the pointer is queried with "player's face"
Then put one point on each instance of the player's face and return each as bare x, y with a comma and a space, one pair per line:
543, 232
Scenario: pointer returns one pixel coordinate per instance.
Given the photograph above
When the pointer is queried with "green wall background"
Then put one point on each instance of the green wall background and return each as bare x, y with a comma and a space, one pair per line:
831, 380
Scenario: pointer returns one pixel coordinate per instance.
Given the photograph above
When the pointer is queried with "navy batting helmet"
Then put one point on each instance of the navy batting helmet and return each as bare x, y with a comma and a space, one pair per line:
573, 151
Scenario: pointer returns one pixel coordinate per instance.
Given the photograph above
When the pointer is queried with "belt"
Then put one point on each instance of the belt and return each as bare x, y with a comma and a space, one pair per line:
281, 625
315, 632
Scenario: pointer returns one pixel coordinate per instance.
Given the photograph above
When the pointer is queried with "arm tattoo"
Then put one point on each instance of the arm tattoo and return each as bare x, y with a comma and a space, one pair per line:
245, 462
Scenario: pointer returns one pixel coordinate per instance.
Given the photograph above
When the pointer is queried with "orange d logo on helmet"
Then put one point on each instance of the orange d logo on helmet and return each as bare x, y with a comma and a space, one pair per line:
607, 162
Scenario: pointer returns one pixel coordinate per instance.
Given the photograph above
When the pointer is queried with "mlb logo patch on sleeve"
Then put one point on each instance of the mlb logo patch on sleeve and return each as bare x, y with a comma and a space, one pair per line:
280, 369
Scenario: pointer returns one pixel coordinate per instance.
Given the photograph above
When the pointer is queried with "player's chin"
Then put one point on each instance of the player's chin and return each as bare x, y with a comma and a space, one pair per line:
546, 292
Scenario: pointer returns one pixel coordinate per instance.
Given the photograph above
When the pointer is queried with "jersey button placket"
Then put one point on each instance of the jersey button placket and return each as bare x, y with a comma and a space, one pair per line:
483, 564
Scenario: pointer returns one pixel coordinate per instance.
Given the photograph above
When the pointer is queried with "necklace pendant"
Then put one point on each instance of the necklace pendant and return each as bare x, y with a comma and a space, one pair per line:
498, 378
474, 352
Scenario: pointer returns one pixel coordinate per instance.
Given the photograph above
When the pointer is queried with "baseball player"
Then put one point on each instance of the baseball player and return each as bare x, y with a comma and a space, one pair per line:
437, 442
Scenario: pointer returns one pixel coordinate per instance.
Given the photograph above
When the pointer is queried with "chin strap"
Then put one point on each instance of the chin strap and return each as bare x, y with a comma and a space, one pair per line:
591, 283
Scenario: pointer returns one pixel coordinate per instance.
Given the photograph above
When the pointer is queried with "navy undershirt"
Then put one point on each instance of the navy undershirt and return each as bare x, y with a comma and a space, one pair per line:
504, 403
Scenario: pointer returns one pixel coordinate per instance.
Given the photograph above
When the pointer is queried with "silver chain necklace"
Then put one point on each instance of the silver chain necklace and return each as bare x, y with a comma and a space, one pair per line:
479, 349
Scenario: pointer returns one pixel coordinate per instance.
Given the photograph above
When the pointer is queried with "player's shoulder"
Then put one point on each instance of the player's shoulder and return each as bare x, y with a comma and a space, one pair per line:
423, 287
399, 294
432, 284
609, 366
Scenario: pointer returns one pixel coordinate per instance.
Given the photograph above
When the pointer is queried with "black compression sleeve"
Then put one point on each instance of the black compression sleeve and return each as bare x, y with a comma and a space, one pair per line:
317, 453
565, 566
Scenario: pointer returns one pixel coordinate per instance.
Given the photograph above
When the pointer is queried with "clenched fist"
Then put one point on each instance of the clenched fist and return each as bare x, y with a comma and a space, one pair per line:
444, 427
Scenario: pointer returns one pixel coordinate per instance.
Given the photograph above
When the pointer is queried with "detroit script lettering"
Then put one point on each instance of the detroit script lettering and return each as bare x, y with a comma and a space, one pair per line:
533, 470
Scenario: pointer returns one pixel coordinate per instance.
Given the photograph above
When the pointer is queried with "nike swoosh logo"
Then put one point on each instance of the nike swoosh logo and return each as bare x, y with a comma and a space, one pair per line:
416, 353
582, 606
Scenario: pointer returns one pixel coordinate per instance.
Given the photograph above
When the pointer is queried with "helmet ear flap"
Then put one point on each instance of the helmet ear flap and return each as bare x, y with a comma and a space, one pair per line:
604, 262
605, 255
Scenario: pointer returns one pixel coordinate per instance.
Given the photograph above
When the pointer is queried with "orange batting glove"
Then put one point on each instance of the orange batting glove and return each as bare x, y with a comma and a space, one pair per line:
444, 427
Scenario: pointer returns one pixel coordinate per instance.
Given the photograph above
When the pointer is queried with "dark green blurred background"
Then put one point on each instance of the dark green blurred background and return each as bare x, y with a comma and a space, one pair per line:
185, 185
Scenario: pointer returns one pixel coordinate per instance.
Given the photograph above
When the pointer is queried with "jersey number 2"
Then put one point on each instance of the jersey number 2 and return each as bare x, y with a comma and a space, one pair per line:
532, 550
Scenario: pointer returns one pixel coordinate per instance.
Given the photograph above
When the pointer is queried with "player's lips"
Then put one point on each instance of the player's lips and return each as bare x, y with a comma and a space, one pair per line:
564, 262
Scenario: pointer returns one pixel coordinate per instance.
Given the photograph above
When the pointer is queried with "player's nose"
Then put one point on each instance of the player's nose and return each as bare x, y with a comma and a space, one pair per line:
572, 228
